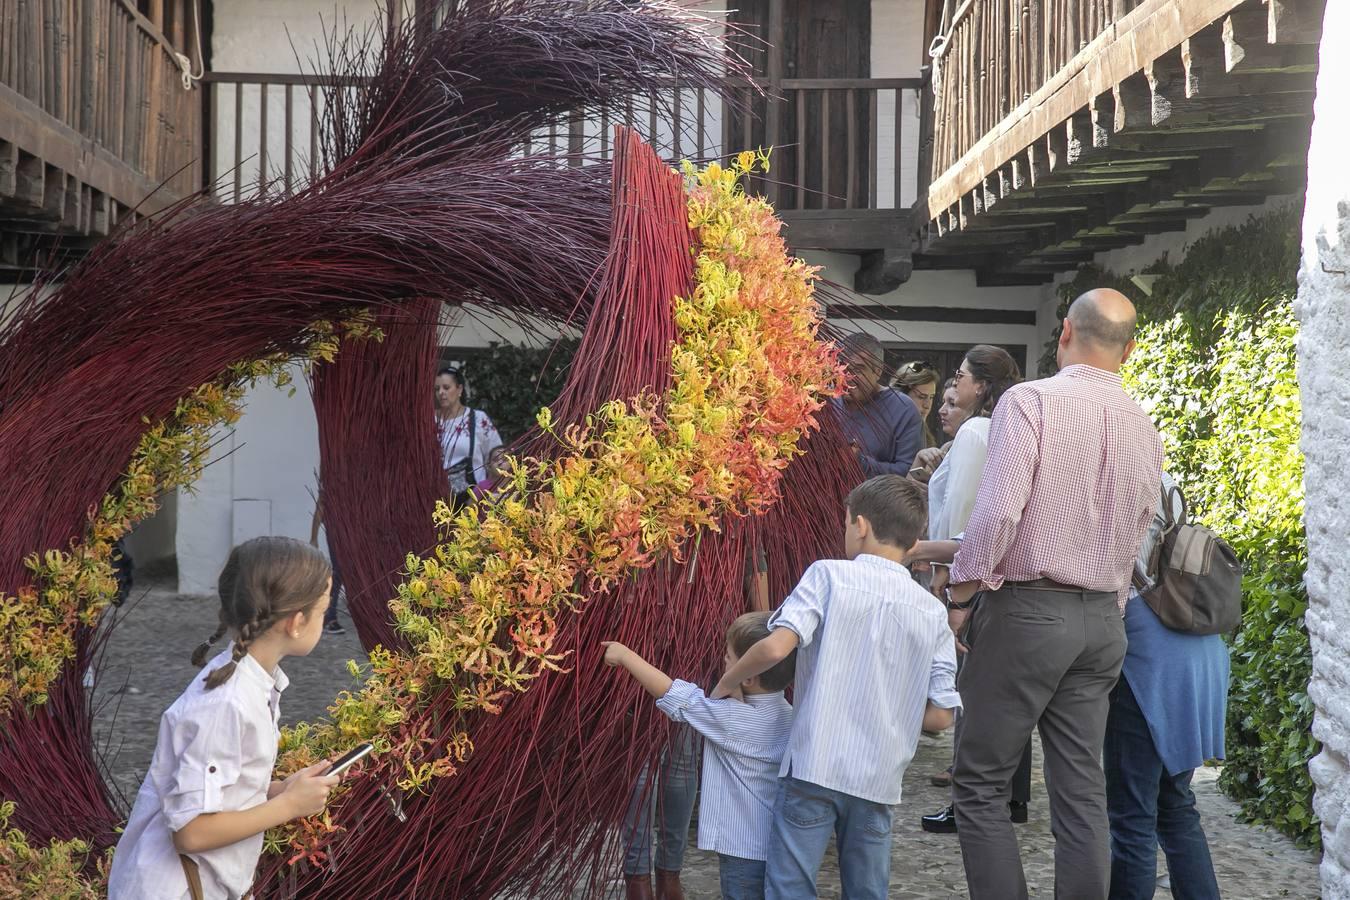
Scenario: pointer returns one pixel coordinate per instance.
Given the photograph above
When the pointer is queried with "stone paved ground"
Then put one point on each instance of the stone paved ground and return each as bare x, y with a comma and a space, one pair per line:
147, 665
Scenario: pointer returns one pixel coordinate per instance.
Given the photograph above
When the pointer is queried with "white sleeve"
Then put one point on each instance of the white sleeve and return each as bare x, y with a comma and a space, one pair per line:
942, 673
804, 609
965, 469
723, 723
205, 749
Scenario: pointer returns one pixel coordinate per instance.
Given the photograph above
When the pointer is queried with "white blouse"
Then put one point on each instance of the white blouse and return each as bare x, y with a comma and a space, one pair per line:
952, 489
215, 752
454, 438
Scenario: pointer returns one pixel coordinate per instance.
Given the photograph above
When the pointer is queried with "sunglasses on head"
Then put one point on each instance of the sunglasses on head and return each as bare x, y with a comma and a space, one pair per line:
918, 366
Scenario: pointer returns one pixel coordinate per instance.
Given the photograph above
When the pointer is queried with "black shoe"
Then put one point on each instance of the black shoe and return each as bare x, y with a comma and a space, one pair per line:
943, 822
1017, 811
334, 627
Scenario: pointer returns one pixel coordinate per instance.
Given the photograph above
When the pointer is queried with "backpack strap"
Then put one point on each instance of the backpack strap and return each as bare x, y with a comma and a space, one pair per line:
1172, 521
470, 476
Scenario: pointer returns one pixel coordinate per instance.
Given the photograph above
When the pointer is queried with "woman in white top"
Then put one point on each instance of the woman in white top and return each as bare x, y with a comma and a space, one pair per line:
985, 375
196, 830
467, 435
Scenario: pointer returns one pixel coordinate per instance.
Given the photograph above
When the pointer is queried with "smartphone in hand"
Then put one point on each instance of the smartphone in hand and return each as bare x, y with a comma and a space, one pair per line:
350, 758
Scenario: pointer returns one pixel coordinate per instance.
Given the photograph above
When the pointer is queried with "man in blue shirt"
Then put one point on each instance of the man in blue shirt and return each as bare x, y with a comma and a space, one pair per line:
882, 423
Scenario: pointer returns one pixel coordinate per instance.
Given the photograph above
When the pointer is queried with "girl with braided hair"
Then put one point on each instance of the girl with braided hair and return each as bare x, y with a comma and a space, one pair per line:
196, 829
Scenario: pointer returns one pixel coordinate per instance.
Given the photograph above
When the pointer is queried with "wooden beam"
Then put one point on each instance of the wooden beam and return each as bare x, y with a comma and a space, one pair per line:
1295, 21
882, 271
1151, 29
1246, 47
56, 144
847, 229
990, 278
958, 314
9, 162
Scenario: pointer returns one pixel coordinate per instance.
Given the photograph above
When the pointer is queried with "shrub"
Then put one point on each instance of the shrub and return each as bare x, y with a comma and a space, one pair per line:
1215, 368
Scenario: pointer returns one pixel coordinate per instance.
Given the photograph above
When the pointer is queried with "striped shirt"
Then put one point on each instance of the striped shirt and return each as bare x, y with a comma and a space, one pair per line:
874, 648
743, 747
1069, 486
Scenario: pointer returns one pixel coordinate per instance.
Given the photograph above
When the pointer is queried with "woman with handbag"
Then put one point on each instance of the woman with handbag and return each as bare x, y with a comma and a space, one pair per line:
467, 436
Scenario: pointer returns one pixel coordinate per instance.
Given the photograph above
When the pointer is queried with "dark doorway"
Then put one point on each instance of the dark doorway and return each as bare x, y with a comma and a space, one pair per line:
822, 39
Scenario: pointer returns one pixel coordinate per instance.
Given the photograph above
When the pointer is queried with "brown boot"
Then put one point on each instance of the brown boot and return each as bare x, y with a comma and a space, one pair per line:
637, 887
668, 885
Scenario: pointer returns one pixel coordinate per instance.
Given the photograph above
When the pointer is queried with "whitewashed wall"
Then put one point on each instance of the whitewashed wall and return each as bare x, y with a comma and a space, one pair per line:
898, 52
1324, 310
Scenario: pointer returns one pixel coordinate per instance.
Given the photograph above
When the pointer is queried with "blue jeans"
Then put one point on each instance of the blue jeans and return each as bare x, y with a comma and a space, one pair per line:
678, 783
804, 817
741, 879
1148, 808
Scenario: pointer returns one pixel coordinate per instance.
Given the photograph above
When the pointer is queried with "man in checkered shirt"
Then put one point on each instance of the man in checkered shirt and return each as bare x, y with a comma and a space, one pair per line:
1070, 485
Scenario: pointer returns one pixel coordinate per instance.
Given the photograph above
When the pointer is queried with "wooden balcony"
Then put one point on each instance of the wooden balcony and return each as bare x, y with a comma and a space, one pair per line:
95, 122
844, 170
1077, 126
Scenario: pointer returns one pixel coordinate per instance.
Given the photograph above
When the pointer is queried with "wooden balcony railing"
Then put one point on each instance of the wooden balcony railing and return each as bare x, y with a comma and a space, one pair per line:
107, 73
840, 143
996, 55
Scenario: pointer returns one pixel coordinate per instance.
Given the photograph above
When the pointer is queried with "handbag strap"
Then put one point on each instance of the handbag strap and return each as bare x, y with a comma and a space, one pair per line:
194, 878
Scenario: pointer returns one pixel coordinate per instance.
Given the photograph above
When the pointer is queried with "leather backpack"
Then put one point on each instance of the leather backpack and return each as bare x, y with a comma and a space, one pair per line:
1196, 579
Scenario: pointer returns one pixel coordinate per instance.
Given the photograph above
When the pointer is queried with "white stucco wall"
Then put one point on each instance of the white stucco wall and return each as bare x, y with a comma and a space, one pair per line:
898, 51
941, 288
1324, 310
260, 480
262, 476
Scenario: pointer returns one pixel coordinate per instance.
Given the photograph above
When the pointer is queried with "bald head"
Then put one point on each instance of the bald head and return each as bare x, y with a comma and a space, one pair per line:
1103, 317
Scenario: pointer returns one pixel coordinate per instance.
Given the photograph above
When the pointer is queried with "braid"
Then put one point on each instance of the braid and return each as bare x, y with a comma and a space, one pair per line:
247, 633
199, 655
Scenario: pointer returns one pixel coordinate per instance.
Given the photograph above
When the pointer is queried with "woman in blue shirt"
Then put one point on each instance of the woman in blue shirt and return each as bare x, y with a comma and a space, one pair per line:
1166, 719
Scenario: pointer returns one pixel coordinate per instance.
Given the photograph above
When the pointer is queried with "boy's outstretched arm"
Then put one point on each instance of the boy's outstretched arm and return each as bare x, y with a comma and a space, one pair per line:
759, 659
935, 718
652, 679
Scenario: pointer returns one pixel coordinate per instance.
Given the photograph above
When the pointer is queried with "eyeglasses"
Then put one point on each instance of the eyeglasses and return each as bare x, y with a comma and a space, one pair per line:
960, 374
918, 366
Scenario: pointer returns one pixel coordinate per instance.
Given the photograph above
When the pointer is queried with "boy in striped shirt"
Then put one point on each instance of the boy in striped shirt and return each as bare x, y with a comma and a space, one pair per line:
876, 664
744, 740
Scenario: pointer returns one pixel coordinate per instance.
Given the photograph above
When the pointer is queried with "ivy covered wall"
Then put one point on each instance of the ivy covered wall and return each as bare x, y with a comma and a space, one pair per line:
1215, 367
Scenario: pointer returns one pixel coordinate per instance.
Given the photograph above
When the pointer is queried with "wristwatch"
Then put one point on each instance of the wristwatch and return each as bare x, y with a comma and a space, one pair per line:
951, 604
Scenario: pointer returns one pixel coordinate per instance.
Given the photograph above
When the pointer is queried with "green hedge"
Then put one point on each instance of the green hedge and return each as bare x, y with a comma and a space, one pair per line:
1215, 367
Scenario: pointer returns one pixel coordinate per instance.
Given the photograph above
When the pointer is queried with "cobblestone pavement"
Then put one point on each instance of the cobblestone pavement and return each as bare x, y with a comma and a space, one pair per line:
147, 665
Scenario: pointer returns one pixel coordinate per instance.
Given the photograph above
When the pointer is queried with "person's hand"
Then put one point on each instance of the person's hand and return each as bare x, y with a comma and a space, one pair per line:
721, 691
956, 621
276, 787
615, 653
941, 576
737, 694
307, 790
928, 458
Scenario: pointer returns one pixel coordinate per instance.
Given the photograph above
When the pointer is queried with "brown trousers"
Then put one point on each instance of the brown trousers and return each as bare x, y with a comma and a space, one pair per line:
1043, 659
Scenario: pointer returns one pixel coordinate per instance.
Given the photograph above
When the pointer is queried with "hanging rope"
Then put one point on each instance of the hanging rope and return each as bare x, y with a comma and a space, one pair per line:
184, 62
938, 48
